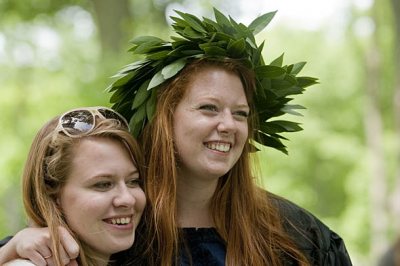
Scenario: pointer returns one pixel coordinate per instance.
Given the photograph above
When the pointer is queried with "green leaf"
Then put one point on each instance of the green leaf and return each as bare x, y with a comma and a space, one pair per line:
306, 81
191, 34
268, 71
158, 55
131, 67
137, 119
141, 95
236, 49
279, 126
220, 18
289, 109
214, 51
179, 23
220, 36
144, 39
297, 68
157, 79
176, 41
147, 47
288, 90
121, 81
278, 61
192, 20
139, 114
291, 79
173, 68
117, 95
251, 43
270, 141
257, 56
151, 105
212, 25
261, 22
235, 26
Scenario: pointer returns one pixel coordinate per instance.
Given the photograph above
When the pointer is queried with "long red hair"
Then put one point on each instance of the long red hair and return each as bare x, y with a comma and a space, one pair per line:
243, 214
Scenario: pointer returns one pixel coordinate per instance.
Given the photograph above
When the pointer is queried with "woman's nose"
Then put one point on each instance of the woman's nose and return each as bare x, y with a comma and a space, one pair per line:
124, 197
227, 123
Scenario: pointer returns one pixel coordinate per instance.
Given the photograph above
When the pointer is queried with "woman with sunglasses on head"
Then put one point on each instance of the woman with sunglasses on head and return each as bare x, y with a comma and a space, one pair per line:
201, 104
83, 179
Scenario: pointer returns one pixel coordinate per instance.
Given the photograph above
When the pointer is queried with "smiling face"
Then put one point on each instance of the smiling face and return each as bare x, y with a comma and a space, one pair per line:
210, 124
102, 200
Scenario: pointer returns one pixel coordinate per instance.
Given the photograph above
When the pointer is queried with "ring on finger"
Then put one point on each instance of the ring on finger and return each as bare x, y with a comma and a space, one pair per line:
47, 257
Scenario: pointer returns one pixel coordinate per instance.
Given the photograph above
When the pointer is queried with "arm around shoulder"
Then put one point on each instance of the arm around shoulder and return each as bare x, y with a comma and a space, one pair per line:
7, 250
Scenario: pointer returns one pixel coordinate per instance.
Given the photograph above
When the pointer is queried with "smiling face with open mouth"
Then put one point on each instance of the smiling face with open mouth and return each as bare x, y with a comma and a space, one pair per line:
102, 200
210, 123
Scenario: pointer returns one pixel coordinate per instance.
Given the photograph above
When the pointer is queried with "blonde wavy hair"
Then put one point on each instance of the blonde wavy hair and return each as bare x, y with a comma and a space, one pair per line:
46, 170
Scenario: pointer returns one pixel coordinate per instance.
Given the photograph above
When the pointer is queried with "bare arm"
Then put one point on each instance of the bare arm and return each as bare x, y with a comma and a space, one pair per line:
34, 244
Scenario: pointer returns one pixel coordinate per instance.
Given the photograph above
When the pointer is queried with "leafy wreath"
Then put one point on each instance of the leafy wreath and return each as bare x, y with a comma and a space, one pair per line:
134, 93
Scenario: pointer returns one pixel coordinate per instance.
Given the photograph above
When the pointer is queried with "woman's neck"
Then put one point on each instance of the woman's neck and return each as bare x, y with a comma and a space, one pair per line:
194, 198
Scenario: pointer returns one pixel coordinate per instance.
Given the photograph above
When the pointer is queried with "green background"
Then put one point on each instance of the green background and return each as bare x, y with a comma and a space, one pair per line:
344, 166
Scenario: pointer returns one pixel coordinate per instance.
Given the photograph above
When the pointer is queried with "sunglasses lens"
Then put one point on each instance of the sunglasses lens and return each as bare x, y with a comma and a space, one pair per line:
110, 114
77, 122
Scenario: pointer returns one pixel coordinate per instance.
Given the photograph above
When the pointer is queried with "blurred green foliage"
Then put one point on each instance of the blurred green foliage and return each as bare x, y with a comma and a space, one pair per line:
325, 171
51, 60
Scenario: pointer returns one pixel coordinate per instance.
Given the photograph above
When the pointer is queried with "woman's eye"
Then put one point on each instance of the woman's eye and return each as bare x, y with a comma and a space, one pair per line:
134, 182
209, 107
241, 114
104, 185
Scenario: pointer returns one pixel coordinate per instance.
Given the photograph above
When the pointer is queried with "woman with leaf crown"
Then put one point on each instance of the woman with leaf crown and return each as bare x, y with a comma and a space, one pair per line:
200, 105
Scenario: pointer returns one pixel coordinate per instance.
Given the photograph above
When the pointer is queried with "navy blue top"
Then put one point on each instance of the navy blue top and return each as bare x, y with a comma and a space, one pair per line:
206, 247
321, 245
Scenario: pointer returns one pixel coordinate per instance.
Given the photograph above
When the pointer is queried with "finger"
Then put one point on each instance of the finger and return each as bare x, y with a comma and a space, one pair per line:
71, 247
34, 244
50, 261
43, 252
65, 259
33, 240
37, 259
72, 263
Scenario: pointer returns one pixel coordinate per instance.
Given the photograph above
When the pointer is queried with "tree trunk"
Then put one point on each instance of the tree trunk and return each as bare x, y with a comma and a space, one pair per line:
374, 137
373, 126
395, 199
112, 18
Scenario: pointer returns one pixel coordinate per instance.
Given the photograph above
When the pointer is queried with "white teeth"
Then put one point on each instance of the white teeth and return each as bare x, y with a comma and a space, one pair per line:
125, 220
223, 147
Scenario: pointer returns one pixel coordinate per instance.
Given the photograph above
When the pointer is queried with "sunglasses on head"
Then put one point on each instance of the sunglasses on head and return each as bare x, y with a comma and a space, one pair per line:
83, 120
